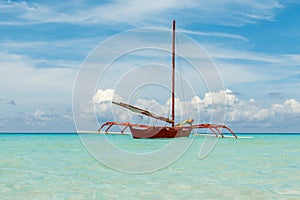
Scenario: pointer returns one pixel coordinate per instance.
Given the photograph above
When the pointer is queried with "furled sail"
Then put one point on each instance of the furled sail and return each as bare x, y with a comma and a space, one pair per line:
142, 111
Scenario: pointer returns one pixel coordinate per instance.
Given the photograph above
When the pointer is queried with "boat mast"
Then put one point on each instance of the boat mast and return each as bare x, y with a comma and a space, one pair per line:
173, 74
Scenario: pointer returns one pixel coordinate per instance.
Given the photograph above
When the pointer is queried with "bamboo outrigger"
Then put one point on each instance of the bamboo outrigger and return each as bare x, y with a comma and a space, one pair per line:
214, 128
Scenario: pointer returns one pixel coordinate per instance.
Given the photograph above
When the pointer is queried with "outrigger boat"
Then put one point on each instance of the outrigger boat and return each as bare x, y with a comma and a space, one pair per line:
180, 130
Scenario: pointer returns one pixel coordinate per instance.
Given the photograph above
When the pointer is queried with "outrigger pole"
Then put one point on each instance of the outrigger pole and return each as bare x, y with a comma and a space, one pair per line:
215, 128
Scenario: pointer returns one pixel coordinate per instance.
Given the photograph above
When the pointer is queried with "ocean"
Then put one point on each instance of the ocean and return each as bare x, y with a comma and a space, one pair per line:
59, 166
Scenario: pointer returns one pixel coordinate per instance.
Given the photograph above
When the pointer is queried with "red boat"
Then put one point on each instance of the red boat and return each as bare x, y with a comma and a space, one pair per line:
160, 132
184, 129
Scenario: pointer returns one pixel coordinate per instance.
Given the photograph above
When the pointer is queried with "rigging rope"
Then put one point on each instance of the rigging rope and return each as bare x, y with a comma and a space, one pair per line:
143, 93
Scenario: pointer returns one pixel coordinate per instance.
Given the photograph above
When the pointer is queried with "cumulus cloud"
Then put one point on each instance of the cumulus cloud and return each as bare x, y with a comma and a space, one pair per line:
100, 106
107, 95
223, 102
101, 101
152, 106
290, 106
250, 110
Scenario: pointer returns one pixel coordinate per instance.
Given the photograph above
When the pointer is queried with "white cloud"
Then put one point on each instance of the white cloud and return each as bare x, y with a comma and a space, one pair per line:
8, 6
106, 95
227, 53
291, 106
223, 102
152, 106
230, 12
243, 110
101, 103
42, 116
39, 113
220, 97
214, 34
101, 106
50, 47
27, 80
40, 120
240, 66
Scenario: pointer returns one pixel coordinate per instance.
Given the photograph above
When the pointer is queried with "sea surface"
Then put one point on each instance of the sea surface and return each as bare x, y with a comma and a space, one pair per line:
58, 166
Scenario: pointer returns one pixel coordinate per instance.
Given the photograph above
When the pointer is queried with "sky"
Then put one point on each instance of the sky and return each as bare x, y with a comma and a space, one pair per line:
255, 46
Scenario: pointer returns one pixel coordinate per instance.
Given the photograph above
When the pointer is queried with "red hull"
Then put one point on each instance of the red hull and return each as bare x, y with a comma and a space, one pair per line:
160, 132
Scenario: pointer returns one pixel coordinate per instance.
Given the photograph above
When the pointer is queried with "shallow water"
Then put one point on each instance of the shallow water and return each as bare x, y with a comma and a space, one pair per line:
57, 166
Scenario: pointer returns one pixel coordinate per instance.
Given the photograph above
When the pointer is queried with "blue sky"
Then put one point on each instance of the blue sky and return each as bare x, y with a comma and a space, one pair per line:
255, 45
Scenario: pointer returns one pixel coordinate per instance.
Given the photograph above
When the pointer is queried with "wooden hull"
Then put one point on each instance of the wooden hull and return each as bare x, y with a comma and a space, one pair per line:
159, 132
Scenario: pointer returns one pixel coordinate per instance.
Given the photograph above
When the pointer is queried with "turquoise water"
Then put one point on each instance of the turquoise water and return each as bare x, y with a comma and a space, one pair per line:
57, 166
